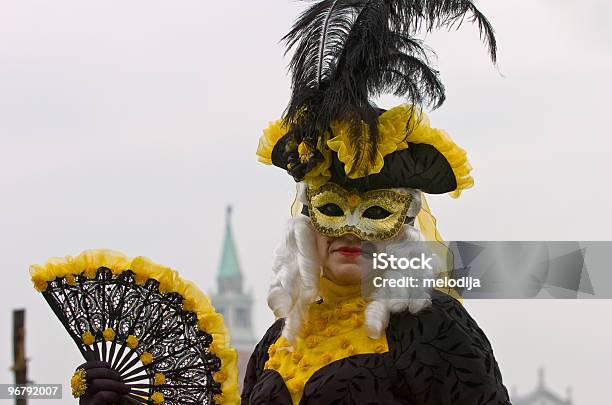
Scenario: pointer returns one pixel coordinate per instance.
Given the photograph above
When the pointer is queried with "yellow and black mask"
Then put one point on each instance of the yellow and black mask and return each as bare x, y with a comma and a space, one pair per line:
372, 215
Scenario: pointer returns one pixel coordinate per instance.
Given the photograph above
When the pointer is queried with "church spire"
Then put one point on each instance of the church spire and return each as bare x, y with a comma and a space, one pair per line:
231, 301
229, 276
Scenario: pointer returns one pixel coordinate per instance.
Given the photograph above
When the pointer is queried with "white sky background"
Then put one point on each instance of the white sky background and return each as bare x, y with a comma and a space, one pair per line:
130, 125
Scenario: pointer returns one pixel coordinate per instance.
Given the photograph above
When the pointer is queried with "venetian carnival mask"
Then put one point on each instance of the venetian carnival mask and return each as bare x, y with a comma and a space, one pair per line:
371, 215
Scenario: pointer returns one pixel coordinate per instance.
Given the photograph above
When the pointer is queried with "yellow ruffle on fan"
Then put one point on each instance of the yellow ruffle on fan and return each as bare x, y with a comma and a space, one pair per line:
88, 263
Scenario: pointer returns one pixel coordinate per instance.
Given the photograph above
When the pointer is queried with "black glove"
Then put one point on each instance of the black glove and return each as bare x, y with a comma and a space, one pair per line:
104, 385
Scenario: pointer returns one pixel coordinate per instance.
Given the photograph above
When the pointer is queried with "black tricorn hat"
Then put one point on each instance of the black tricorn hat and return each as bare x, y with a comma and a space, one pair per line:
426, 159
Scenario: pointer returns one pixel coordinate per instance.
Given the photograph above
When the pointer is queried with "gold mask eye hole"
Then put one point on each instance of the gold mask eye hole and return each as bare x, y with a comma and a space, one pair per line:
331, 210
376, 212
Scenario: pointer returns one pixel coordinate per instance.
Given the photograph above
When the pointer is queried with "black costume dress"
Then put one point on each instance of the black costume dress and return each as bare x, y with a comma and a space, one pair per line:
439, 356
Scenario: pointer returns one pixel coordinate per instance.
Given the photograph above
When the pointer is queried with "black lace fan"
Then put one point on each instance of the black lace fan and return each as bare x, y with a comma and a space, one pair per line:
147, 323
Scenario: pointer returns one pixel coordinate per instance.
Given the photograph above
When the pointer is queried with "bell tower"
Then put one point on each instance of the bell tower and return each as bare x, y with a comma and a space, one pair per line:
232, 301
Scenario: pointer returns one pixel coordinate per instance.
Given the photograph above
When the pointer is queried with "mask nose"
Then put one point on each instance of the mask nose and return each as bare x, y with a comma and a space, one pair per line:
352, 218
351, 238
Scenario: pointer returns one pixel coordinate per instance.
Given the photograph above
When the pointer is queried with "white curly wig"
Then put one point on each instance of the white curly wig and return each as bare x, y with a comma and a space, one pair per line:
297, 270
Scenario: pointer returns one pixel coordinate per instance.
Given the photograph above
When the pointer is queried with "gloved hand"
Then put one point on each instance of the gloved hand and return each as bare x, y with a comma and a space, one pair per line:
104, 385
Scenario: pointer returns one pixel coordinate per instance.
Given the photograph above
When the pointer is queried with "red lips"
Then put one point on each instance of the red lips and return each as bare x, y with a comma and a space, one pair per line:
350, 251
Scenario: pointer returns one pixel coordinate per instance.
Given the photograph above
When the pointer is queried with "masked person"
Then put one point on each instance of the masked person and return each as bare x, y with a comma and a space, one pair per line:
362, 173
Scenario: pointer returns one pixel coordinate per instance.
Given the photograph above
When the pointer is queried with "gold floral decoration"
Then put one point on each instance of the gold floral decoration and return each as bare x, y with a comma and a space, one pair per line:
159, 379
157, 398
78, 383
146, 358
305, 152
88, 338
132, 342
108, 334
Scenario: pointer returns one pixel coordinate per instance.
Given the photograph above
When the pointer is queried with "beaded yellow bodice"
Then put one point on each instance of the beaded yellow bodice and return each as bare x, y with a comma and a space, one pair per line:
334, 330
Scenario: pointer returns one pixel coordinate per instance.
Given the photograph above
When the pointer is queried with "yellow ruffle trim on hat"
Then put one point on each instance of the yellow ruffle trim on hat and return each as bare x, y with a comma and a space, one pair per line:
316, 177
194, 300
392, 129
392, 137
456, 157
271, 135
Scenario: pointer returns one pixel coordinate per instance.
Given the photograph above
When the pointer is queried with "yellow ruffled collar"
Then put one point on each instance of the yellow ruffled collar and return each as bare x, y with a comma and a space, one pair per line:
331, 291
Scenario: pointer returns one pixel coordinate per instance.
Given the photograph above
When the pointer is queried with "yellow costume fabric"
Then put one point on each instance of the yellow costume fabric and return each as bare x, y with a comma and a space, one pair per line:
334, 331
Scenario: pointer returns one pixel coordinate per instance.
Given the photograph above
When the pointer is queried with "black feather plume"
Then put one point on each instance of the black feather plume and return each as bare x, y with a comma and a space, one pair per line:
347, 52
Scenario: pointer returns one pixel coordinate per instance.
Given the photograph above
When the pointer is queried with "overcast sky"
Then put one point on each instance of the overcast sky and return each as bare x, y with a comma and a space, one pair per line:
132, 124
